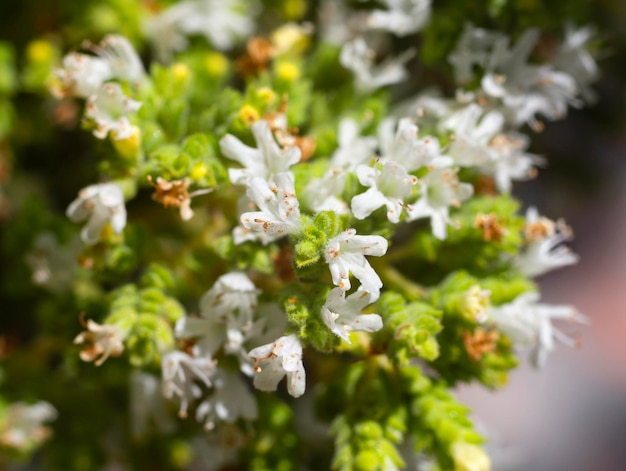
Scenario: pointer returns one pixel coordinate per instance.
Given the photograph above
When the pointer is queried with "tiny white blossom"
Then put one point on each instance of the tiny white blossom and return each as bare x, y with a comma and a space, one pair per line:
508, 161
180, 373
405, 148
275, 360
226, 318
222, 22
102, 341
473, 131
82, 75
359, 58
544, 251
337, 24
573, 58
389, 184
22, 428
346, 253
279, 213
440, 189
473, 48
101, 204
123, 60
109, 109
529, 324
479, 140
147, 404
53, 264
231, 399
343, 315
353, 149
324, 194
402, 17
527, 89
267, 160
232, 292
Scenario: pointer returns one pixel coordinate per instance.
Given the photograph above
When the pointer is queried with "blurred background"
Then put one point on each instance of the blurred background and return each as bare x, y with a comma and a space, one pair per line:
571, 416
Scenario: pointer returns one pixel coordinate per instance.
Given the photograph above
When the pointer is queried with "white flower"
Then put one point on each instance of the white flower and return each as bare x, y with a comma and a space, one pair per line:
102, 341
22, 428
508, 161
231, 399
402, 17
544, 252
336, 23
389, 184
346, 253
53, 264
101, 204
123, 60
478, 141
405, 148
109, 108
353, 149
82, 75
232, 292
279, 213
147, 404
275, 360
473, 131
164, 32
267, 160
529, 324
474, 48
222, 22
323, 194
226, 318
573, 58
180, 373
527, 89
343, 315
357, 57
440, 190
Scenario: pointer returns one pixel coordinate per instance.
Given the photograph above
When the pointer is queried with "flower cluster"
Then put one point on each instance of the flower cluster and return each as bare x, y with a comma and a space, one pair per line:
344, 238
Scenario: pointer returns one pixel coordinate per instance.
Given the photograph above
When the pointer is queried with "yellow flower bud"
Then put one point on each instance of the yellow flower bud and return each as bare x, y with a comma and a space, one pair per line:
287, 71
216, 64
291, 39
130, 146
468, 457
294, 9
40, 51
199, 171
267, 95
181, 71
475, 304
249, 114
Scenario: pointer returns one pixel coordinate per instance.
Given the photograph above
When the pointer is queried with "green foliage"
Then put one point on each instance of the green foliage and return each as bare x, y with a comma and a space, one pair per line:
464, 301
276, 443
409, 329
309, 251
146, 317
467, 246
302, 307
438, 418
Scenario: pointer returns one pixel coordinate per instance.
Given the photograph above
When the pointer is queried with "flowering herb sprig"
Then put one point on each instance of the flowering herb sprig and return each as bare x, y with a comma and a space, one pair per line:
326, 234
